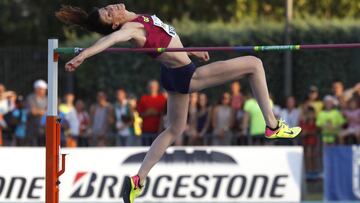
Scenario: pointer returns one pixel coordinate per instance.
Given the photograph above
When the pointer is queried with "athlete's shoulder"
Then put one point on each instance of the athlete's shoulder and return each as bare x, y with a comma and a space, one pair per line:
133, 25
142, 18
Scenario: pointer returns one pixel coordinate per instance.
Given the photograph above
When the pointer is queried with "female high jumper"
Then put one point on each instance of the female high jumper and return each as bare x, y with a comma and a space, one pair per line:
179, 76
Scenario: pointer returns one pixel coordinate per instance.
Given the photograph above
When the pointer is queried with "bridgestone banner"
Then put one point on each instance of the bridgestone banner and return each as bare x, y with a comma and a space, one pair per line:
194, 174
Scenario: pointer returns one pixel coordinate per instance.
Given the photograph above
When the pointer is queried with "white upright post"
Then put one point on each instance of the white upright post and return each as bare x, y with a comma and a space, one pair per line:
52, 78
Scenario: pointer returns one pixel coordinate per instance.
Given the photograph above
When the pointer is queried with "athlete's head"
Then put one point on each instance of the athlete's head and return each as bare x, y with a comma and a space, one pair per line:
103, 20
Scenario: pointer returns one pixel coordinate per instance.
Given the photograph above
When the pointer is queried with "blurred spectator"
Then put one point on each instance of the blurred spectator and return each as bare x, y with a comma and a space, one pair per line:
165, 94
123, 119
309, 138
222, 121
7, 104
7, 100
37, 105
253, 123
68, 103
130, 123
69, 111
329, 121
352, 115
102, 118
1, 127
151, 108
191, 134
135, 128
313, 100
237, 98
20, 115
84, 121
342, 103
237, 101
2, 121
357, 93
203, 119
339, 91
291, 114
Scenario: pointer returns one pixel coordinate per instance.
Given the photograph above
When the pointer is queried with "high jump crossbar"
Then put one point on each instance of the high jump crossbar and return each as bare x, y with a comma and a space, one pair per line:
53, 123
76, 50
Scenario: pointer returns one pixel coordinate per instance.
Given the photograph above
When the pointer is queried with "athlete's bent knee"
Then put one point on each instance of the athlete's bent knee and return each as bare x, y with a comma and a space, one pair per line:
255, 63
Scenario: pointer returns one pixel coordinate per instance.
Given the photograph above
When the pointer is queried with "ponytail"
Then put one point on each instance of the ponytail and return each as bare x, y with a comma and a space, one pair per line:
72, 15
78, 17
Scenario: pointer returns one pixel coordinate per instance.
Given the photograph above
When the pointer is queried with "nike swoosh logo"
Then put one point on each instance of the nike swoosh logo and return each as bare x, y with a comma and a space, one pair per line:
289, 132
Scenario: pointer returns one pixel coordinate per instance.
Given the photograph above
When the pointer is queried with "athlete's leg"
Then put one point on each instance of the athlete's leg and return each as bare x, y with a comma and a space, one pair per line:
178, 105
223, 71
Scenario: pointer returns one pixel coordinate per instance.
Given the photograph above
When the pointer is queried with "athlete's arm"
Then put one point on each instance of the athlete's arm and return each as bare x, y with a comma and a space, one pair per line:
202, 56
125, 34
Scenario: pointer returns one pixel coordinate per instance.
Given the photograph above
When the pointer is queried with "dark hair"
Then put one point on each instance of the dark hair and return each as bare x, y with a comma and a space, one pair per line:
90, 21
310, 109
337, 80
207, 101
222, 98
121, 89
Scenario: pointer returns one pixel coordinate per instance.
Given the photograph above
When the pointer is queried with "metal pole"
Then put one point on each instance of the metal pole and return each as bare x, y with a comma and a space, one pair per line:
52, 78
288, 72
52, 128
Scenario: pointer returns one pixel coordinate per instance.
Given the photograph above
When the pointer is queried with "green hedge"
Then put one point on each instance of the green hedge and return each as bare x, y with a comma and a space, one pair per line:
318, 67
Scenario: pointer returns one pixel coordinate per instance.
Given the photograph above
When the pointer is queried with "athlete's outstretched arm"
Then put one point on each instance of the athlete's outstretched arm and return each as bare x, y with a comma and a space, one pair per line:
125, 34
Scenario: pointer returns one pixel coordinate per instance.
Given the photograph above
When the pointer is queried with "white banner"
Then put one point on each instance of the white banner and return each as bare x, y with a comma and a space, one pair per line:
199, 174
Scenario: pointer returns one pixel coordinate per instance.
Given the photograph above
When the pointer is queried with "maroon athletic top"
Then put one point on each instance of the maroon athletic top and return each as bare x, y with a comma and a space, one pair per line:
158, 34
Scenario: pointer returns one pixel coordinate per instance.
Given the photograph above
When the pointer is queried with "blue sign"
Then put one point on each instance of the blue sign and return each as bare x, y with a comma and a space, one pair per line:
342, 173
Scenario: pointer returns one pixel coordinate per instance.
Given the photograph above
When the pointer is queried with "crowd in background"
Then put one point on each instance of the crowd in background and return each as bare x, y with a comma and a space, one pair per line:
236, 119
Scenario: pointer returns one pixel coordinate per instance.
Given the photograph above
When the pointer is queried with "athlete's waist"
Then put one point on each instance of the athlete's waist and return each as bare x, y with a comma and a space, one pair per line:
190, 64
172, 62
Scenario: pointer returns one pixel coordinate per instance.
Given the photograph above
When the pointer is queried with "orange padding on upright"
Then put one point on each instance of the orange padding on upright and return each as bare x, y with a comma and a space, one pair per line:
56, 57
52, 159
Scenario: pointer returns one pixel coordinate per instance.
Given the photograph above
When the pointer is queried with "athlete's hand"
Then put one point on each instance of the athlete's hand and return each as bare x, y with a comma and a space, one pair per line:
74, 63
202, 56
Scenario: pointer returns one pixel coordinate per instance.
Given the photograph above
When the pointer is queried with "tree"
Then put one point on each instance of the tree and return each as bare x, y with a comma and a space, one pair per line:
26, 22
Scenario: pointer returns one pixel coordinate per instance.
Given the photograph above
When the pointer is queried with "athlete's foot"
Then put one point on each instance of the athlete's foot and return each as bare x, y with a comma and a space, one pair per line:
282, 131
132, 189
